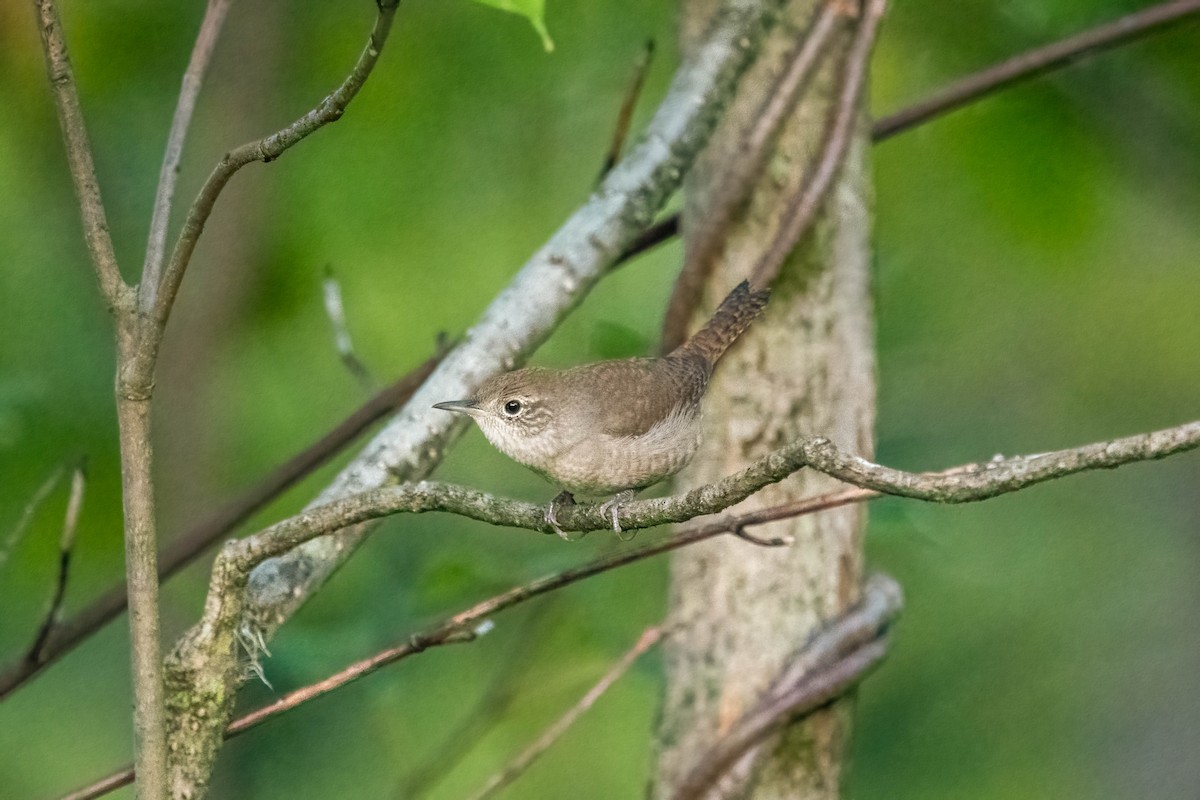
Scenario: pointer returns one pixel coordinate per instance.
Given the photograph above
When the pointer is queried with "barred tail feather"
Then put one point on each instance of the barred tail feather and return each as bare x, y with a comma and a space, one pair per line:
731, 318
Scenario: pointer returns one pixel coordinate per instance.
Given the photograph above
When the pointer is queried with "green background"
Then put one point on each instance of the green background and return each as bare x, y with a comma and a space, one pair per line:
1036, 285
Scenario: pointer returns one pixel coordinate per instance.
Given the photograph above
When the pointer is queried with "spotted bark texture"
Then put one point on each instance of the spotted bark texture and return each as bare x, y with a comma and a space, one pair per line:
807, 367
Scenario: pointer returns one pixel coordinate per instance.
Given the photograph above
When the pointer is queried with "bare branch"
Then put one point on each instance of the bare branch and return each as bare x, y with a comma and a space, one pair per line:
66, 545
628, 104
832, 663
522, 762
160, 219
802, 208
190, 544
79, 155
267, 149
35, 502
1032, 63
737, 179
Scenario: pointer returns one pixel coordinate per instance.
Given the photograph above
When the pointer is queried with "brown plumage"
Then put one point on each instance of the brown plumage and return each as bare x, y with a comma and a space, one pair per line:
611, 427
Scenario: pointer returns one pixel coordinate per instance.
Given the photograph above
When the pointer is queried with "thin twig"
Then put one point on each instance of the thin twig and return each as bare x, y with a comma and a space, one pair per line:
832, 662
267, 149
488, 711
628, 103
31, 507
522, 762
802, 209
1033, 63
168, 176
736, 181
190, 544
66, 545
335, 310
79, 154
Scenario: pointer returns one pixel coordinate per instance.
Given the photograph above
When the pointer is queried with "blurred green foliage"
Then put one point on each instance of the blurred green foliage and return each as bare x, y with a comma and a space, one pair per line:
1036, 288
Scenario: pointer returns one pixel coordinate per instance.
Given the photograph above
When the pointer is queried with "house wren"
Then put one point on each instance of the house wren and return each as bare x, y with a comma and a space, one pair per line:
612, 427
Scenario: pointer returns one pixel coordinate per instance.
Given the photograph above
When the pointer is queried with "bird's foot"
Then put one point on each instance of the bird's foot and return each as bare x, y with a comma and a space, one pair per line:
610, 507
561, 500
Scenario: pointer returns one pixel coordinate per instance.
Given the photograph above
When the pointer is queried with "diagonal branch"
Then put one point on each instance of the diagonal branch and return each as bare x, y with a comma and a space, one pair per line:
802, 209
649, 638
168, 176
979, 85
739, 174
1032, 63
79, 155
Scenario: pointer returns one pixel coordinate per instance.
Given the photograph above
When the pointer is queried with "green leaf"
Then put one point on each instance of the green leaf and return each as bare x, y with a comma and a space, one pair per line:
532, 10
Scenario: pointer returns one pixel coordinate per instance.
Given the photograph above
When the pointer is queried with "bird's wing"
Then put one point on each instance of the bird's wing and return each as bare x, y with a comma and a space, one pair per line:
650, 389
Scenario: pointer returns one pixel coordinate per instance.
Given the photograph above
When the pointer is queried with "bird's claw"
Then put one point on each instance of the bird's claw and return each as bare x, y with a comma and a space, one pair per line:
609, 508
561, 499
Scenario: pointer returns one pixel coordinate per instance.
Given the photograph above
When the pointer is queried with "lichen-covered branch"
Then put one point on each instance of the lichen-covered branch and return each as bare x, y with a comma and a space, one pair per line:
231, 572
961, 485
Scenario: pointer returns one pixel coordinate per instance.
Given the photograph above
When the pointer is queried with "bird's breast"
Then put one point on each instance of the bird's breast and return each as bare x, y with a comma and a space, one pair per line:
606, 464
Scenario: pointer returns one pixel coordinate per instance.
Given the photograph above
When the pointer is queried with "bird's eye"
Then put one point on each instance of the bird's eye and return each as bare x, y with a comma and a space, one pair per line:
512, 407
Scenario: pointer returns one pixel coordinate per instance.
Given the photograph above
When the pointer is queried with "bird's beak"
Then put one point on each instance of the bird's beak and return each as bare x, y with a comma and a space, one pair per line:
465, 406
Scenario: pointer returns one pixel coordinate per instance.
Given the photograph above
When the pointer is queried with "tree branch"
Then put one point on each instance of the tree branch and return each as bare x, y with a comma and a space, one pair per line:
225, 605
625, 115
802, 209
1032, 63
832, 663
79, 155
266, 150
738, 177
168, 176
649, 638
462, 626
963, 485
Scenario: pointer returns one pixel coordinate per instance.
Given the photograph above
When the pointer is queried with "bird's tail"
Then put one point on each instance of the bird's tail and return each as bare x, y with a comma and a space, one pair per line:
731, 318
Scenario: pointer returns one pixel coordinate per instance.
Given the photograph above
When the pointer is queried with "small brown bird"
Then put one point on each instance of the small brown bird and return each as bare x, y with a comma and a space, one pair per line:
612, 427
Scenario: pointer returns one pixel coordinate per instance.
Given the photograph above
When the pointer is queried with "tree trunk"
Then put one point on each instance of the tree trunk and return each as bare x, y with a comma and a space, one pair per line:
738, 612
